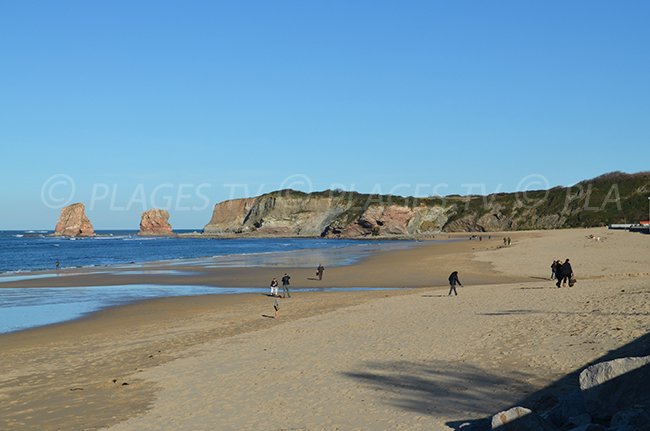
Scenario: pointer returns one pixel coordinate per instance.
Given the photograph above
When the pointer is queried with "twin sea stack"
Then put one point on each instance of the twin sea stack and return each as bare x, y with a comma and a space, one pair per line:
73, 222
155, 222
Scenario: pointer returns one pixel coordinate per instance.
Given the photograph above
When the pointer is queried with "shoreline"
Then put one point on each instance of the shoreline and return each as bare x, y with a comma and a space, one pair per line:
260, 276
70, 269
442, 237
191, 275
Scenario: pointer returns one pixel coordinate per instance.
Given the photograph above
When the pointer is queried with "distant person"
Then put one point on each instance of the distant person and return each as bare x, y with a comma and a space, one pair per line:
57, 264
319, 271
505, 241
453, 281
274, 287
554, 266
565, 274
285, 285
276, 307
509, 241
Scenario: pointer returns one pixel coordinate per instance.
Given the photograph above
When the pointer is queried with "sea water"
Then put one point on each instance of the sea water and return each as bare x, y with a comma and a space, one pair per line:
37, 250
113, 252
24, 308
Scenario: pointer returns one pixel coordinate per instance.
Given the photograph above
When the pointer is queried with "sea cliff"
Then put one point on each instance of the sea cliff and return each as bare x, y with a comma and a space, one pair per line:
610, 198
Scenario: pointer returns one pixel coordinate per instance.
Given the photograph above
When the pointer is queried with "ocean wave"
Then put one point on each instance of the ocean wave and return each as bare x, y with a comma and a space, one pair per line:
106, 238
19, 235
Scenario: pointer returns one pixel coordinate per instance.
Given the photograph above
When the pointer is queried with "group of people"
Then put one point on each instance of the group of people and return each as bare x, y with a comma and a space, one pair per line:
275, 286
276, 294
562, 273
285, 286
507, 241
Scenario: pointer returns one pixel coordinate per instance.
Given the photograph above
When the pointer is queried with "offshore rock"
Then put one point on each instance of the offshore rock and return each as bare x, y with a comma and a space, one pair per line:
155, 222
73, 222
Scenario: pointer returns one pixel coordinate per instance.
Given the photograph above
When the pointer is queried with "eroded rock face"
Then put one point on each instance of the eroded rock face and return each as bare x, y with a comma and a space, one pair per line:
397, 220
229, 216
73, 222
338, 213
291, 214
155, 222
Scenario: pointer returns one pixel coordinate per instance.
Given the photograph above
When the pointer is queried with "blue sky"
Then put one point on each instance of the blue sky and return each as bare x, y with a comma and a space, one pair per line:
184, 104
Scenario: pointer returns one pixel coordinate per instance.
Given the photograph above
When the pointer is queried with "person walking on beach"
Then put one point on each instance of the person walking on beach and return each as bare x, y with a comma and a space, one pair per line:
564, 273
554, 266
57, 264
319, 271
285, 285
276, 307
453, 281
274, 287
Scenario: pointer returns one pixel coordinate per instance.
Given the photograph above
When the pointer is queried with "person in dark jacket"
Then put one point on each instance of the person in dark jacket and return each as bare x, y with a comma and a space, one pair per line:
453, 281
285, 285
564, 273
554, 269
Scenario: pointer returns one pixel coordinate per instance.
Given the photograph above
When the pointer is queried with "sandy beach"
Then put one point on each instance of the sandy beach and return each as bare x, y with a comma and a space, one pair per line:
400, 359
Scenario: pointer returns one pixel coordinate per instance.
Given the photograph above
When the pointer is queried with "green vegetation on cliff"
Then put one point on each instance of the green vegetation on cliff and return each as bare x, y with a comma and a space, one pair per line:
612, 198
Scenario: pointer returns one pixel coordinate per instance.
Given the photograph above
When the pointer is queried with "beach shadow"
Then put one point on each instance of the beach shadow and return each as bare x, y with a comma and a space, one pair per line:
434, 296
440, 388
313, 278
510, 312
537, 288
267, 316
540, 278
536, 400
452, 389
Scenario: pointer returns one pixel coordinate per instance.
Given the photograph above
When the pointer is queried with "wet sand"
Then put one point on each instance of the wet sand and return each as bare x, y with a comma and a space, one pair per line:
425, 264
412, 359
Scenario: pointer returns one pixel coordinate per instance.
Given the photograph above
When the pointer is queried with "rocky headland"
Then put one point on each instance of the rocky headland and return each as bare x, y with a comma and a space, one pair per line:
611, 198
73, 222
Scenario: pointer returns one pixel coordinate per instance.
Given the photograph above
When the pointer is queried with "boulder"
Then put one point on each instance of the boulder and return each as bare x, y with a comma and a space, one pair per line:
578, 420
589, 427
73, 222
569, 407
155, 222
620, 384
630, 420
519, 419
